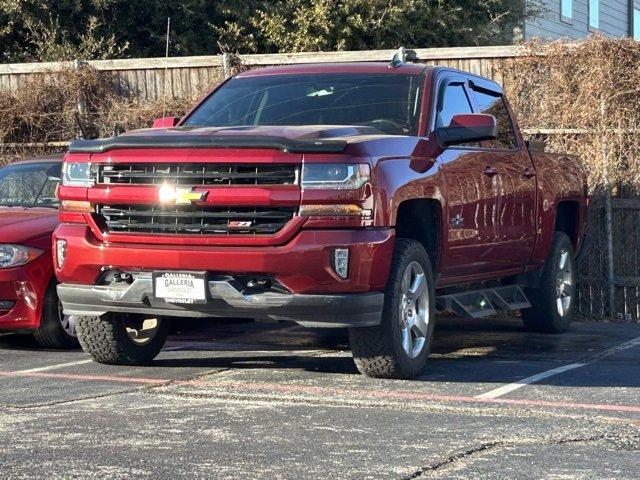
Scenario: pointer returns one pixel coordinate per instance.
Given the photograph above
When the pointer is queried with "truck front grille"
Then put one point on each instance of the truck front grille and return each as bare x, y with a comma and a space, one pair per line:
193, 220
194, 174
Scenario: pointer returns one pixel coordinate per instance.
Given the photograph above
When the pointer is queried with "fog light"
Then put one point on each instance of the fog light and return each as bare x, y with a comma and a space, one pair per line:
334, 211
61, 252
341, 262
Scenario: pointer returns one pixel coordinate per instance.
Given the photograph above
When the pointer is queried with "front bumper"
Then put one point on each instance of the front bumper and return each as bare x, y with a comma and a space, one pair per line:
25, 287
303, 265
312, 293
225, 299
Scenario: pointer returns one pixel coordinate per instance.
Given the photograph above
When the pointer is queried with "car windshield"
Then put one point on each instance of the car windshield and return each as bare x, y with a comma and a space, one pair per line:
388, 102
29, 185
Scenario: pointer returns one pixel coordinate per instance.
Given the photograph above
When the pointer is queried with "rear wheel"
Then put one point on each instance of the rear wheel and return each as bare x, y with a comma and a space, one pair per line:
553, 301
56, 330
400, 345
122, 339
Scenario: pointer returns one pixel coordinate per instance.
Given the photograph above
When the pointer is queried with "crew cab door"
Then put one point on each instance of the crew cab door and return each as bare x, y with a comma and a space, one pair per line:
471, 210
514, 182
490, 187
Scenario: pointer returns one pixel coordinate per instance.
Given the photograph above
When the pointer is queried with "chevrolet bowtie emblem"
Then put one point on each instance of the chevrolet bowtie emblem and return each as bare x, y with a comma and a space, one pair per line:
180, 196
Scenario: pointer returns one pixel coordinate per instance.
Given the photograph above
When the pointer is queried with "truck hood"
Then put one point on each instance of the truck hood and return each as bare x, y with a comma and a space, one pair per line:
27, 225
293, 139
302, 132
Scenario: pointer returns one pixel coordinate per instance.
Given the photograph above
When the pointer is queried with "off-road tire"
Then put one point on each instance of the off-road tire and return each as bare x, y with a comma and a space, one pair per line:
105, 338
377, 351
50, 333
543, 316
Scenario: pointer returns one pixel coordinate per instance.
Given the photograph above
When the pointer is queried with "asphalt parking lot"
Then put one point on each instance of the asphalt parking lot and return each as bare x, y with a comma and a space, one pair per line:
249, 400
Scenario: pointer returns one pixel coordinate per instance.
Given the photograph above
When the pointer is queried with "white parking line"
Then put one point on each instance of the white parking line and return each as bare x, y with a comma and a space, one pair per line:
624, 346
55, 367
499, 392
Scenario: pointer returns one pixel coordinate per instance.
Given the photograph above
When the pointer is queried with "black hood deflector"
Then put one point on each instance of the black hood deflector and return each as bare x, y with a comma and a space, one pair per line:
126, 142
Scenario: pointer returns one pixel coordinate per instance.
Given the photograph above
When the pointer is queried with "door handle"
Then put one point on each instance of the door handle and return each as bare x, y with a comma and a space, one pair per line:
490, 171
528, 173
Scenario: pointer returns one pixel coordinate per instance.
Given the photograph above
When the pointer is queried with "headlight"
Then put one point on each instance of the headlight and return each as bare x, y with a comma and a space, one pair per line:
77, 175
338, 176
17, 255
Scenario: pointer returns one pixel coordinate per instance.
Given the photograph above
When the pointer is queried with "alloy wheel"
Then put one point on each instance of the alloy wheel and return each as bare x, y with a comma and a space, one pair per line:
142, 332
414, 310
564, 283
67, 322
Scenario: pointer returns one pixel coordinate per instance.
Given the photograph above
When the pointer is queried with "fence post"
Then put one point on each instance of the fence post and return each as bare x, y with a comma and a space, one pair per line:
81, 105
226, 64
608, 215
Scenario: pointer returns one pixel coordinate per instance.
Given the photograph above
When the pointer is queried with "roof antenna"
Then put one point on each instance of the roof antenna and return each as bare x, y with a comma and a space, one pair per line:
402, 56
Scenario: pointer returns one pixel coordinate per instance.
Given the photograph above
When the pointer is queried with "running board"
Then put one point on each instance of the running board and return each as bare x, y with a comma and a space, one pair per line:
484, 303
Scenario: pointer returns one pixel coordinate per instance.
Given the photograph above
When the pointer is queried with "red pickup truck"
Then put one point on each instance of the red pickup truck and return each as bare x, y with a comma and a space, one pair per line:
362, 195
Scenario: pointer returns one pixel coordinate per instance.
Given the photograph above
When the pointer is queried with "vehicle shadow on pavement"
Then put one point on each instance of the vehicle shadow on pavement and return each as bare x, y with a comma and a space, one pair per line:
493, 350
24, 342
319, 364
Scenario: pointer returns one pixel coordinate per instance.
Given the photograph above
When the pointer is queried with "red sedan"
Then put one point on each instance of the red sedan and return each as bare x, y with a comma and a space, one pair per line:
28, 216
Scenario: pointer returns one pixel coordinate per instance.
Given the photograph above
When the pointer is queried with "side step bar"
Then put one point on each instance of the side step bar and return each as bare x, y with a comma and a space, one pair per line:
484, 303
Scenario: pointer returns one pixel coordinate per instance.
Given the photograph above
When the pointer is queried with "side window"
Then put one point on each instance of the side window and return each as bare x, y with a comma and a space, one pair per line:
454, 101
494, 105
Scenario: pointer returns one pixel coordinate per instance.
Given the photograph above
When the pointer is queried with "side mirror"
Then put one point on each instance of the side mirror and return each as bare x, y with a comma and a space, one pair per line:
467, 128
166, 122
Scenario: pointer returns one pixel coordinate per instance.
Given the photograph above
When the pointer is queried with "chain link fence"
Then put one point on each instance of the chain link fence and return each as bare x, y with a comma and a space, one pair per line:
609, 265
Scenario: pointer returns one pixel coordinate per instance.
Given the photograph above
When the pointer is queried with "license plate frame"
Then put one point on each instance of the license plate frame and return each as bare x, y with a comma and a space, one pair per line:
181, 288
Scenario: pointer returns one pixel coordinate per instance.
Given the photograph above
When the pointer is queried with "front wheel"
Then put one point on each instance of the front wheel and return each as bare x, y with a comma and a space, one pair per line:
56, 329
553, 301
400, 345
122, 339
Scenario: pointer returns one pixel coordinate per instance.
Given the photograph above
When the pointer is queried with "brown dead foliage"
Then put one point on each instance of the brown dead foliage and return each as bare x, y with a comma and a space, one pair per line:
589, 93
52, 106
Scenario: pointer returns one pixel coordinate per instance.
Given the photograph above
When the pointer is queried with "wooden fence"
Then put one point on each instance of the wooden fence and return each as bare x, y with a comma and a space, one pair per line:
609, 270
177, 76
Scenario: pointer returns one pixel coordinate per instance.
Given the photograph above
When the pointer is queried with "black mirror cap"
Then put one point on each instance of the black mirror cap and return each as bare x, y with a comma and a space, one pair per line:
449, 136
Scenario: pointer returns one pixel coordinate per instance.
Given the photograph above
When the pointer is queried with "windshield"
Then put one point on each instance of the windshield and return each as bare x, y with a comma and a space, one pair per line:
388, 102
29, 185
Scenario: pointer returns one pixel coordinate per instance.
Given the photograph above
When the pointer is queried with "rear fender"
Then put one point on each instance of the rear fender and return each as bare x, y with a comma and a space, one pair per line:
561, 178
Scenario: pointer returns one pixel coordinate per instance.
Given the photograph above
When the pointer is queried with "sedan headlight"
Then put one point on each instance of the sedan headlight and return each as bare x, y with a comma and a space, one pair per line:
338, 176
17, 255
77, 175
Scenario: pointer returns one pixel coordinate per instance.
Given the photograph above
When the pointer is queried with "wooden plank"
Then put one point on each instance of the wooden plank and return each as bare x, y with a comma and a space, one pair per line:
185, 79
114, 65
155, 83
176, 85
142, 84
194, 80
13, 82
424, 54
